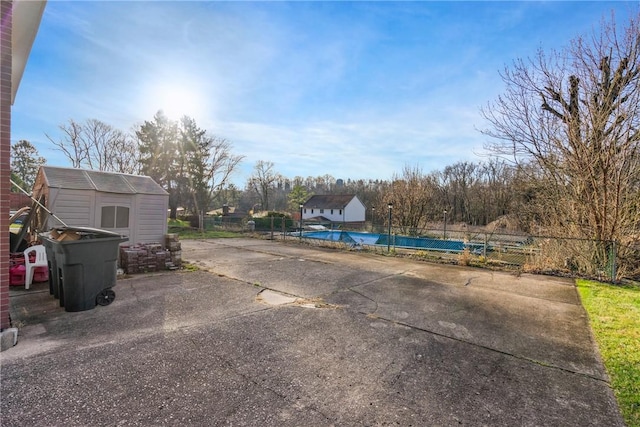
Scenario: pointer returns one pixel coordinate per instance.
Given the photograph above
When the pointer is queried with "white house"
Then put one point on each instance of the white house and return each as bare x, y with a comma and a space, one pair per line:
131, 205
334, 208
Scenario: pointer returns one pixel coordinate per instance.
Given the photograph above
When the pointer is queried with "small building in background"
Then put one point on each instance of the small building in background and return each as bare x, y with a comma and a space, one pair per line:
132, 205
339, 208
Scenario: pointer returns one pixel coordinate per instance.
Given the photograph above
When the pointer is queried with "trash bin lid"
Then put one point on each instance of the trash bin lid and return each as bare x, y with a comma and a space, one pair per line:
88, 230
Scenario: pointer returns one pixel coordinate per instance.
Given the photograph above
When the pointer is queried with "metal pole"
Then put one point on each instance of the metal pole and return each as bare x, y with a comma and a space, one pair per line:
444, 233
390, 206
38, 203
301, 222
272, 219
373, 212
484, 248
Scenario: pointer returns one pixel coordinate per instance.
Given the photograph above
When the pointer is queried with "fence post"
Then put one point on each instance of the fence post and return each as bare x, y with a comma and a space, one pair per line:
613, 255
484, 247
272, 228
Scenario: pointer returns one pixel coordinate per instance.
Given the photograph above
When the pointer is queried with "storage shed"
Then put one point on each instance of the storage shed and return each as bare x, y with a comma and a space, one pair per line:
131, 205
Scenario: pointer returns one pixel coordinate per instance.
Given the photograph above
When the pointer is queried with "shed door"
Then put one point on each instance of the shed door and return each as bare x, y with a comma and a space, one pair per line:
114, 213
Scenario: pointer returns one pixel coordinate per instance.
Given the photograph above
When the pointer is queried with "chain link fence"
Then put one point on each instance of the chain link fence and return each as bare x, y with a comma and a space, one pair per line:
519, 252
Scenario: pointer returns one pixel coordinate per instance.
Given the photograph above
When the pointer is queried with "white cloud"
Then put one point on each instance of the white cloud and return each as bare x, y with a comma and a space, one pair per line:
355, 90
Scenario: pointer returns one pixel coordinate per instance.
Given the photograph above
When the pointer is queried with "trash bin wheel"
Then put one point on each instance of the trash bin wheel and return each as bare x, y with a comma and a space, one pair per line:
106, 297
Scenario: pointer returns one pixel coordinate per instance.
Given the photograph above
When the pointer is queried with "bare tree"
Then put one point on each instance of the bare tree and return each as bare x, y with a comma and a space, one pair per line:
71, 143
262, 181
109, 149
99, 146
127, 159
575, 114
412, 196
457, 182
222, 164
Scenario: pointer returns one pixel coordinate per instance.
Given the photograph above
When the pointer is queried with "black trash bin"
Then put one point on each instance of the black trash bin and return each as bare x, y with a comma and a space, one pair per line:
54, 283
86, 267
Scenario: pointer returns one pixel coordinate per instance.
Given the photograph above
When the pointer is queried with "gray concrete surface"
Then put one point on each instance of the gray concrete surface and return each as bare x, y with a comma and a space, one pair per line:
272, 334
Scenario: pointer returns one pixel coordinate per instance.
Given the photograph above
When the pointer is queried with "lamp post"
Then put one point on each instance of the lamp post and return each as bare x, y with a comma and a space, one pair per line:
373, 214
301, 205
444, 229
390, 206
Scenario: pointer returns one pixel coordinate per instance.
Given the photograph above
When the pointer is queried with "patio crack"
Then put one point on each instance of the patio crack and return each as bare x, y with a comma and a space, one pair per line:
294, 400
495, 350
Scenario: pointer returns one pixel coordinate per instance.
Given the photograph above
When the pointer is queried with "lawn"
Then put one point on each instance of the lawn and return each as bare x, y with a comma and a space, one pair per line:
614, 313
208, 234
183, 229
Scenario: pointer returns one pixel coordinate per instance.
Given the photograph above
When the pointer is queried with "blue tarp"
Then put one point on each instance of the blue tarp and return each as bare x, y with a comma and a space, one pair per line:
354, 237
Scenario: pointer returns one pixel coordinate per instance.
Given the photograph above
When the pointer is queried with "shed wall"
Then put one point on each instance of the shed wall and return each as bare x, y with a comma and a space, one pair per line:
151, 218
83, 208
74, 207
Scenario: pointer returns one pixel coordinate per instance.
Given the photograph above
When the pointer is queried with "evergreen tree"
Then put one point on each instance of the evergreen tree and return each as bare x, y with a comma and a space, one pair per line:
25, 162
160, 155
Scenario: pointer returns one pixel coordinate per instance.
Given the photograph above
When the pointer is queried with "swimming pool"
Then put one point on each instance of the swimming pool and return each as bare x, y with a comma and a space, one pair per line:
361, 238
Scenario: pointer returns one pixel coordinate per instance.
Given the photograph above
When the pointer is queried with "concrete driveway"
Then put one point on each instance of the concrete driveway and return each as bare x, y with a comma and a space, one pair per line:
273, 334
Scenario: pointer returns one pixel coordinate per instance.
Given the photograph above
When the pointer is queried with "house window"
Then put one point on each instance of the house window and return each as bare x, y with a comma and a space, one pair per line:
340, 213
311, 211
305, 210
331, 211
115, 217
321, 211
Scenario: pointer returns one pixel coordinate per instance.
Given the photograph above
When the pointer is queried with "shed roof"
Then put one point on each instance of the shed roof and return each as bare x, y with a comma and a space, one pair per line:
329, 201
108, 182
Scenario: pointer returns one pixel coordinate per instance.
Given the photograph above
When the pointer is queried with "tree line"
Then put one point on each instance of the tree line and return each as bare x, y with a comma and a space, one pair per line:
564, 137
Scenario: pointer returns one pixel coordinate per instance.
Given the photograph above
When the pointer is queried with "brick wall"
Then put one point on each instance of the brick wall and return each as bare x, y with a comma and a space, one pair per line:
5, 155
19, 200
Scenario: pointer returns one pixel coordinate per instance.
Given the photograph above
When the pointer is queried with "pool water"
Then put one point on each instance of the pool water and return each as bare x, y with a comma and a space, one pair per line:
361, 238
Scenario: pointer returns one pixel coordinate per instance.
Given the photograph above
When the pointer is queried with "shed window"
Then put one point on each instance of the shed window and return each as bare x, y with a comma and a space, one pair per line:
115, 217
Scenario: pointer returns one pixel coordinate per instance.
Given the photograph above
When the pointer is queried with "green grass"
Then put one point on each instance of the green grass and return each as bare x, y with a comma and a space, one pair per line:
178, 223
208, 234
614, 313
184, 231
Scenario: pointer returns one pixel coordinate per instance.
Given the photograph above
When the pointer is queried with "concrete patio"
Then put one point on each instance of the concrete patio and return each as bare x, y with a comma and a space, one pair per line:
274, 334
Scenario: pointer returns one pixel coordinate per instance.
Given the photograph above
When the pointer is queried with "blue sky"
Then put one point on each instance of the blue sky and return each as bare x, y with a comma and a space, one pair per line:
354, 90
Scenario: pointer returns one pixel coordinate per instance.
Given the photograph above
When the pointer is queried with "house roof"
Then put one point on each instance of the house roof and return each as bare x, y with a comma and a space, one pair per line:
108, 182
319, 219
329, 201
26, 20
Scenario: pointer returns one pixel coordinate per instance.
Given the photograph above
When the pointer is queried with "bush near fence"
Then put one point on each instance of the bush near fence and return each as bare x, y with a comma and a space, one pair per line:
521, 252
228, 223
601, 260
